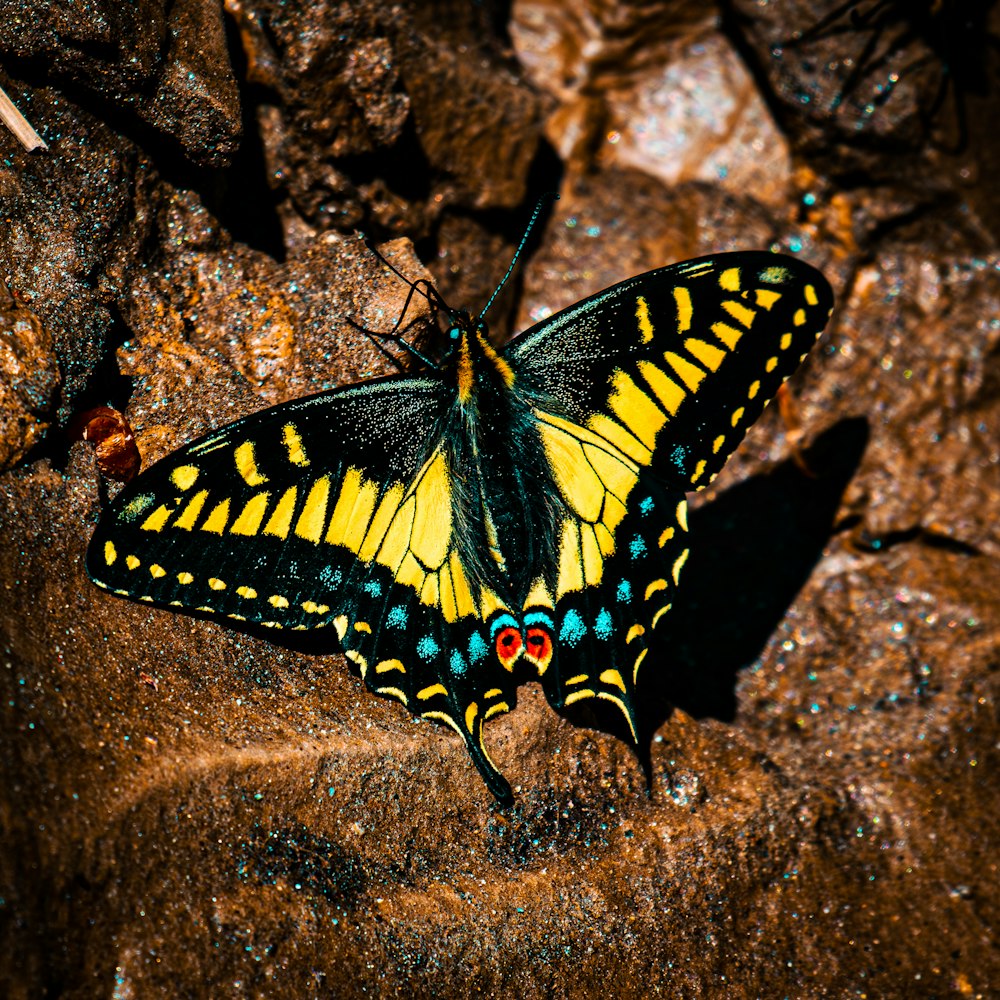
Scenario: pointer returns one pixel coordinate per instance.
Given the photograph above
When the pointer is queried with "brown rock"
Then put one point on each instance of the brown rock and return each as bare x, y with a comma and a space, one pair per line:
29, 380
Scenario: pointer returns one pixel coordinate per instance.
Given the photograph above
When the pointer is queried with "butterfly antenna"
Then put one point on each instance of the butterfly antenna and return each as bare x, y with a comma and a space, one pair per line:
549, 196
429, 292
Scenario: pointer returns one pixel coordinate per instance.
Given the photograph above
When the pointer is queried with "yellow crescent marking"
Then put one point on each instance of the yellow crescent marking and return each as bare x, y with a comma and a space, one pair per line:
281, 520
753, 390
799, 317
675, 571
665, 537
607, 696
340, 624
185, 578
718, 443
393, 692
184, 476
765, 298
642, 315
247, 592
729, 280
216, 521
577, 679
312, 608
737, 415
654, 587
293, 443
445, 718
659, 614
493, 693
578, 696
741, 313
470, 715
771, 364
638, 662
613, 677
358, 626
682, 515
131, 562
216, 584
698, 470
633, 633
810, 294
246, 464
157, 571
249, 521
188, 517
386, 665
786, 341
433, 689
110, 553
682, 299
496, 708
157, 519
356, 657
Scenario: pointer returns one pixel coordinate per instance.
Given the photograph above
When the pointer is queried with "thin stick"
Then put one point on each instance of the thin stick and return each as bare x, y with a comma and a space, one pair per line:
18, 124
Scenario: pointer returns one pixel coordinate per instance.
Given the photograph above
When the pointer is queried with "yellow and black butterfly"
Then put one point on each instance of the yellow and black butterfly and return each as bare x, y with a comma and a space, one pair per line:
516, 506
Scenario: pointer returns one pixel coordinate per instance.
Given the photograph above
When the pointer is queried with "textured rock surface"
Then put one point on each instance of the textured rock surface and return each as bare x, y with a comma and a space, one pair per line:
187, 810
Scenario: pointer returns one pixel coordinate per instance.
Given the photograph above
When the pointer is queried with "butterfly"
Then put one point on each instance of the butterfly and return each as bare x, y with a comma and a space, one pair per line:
506, 511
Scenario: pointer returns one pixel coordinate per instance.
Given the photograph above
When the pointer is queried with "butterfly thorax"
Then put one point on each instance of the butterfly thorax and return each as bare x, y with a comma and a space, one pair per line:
505, 502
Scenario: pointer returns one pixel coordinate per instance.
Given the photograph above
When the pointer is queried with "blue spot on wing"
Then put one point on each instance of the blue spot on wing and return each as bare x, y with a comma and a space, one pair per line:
637, 547
427, 648
624, 592
372, 587
646, 505
397, 617
457, 663
573, 628
604, 627
678, 458
477, 648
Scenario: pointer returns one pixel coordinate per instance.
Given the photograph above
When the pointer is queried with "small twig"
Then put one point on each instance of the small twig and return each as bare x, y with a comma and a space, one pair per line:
18, 124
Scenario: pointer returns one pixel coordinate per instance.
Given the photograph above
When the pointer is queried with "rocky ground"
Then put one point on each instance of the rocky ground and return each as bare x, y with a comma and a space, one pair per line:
190, 811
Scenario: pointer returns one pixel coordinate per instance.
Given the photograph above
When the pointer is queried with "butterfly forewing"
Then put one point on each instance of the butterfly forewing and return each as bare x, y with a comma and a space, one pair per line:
673, 366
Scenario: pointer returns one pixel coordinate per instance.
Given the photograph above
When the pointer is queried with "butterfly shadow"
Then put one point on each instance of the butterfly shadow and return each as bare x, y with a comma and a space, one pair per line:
752, 550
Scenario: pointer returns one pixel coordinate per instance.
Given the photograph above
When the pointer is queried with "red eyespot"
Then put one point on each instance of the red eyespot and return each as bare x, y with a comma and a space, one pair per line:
539, 649
509, 646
